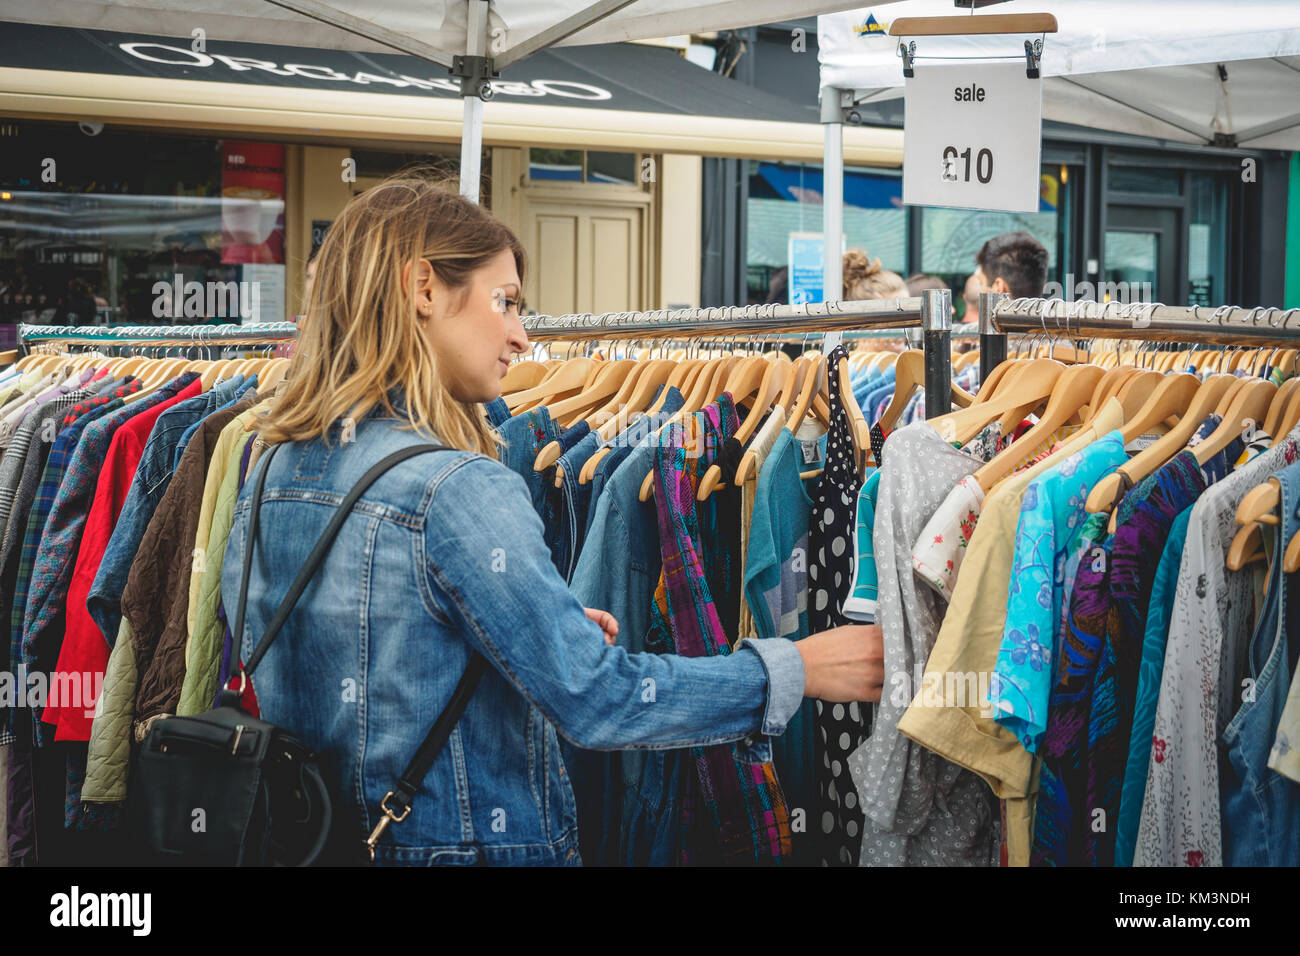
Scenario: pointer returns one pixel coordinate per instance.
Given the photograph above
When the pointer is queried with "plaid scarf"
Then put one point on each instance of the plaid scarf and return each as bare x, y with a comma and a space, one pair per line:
732, 809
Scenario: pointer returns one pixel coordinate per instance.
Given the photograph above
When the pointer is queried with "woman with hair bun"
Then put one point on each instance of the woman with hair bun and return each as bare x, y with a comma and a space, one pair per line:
864, 278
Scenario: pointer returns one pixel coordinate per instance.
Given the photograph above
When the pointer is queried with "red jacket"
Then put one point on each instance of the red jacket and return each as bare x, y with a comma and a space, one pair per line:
84, 650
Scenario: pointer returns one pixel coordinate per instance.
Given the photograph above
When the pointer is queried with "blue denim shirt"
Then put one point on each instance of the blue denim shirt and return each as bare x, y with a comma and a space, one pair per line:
221, 396
152, 476
442, 556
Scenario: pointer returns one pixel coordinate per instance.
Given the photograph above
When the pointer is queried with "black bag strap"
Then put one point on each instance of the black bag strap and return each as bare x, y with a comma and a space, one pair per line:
415, 771
318, 552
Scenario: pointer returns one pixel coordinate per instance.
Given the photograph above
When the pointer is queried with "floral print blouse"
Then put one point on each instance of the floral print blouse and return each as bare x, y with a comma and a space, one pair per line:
1051, 520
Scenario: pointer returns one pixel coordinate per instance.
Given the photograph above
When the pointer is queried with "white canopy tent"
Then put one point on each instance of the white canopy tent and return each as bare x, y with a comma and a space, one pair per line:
1191, 71
473, 38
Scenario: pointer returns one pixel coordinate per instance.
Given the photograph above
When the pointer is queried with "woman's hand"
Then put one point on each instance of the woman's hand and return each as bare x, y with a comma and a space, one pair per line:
606, 622
844, 664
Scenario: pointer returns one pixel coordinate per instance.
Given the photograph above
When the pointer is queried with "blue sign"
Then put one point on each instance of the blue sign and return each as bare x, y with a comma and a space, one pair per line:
805, 258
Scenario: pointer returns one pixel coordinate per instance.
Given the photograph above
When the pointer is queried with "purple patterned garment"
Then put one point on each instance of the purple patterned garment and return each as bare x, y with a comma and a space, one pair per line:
733, 811
1141, 529
1058, 822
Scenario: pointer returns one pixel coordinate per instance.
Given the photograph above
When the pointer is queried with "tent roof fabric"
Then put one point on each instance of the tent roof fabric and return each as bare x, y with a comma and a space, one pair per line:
436, 24
1149, 69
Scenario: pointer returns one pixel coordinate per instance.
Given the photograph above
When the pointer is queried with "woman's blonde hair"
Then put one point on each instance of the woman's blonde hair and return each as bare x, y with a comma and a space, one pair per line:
865, 279
360, 336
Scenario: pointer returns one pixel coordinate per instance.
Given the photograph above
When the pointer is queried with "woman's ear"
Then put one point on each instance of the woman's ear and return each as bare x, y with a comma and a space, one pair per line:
426, 286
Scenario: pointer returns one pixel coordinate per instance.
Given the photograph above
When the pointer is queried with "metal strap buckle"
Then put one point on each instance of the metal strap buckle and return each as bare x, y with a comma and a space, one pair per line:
388, 818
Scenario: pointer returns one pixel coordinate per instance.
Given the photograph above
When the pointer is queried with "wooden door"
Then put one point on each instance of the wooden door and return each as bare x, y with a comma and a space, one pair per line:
584, 257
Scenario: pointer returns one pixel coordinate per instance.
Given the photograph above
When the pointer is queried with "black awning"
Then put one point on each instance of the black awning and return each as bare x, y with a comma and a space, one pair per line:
622, 76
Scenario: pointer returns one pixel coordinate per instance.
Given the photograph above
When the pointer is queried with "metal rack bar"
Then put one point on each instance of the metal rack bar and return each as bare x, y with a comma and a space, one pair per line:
1151, 322
157, 334
730, 320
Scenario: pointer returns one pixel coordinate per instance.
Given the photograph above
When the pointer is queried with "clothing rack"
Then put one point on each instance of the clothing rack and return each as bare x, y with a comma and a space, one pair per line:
931, 312
1148, 321
155, 334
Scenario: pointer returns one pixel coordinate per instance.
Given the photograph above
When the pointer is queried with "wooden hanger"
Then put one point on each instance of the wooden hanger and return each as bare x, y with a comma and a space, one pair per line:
785, 379
522, 375
812, 383
608, 383
1257, 508
1072, 391
1280, 402
1034, 383
1248, 409
764, 392
637, 393
274, 375
909, 375
1290, 417
569, 377
743, 381
1291, 559
859, 430
707, 388
1181, 394
804, 402
990, 385
1110, 379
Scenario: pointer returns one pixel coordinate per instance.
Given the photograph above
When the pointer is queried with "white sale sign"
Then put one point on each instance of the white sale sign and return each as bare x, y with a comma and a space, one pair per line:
972, 136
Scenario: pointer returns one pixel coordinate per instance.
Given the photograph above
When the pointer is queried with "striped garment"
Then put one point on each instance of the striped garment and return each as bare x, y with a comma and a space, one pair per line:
732, 807
81, 414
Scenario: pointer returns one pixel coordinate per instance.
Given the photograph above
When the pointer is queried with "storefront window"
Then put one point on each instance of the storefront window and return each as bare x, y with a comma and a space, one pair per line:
1207, 252
582, 166
950, 238
786, 200
94, 223
1143, 179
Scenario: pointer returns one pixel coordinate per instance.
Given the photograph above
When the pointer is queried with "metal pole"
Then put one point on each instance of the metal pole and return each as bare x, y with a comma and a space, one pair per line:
993, 344
936, 320
471, 134
832, 198
471, 149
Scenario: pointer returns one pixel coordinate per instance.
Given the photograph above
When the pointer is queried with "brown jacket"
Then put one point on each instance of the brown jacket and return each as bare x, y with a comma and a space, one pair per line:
156, 598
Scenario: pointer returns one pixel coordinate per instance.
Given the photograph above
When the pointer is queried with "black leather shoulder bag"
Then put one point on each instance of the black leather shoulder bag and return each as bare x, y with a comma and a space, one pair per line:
227, 789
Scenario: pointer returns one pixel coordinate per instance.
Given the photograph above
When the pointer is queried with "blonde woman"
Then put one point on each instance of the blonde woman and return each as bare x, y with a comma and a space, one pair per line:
412, 321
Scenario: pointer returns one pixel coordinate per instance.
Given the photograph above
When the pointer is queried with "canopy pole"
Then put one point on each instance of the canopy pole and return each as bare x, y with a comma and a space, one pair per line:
832, 201
475, 88
471, 149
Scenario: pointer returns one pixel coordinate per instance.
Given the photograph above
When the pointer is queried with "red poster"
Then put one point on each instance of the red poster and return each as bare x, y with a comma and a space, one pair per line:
252, 202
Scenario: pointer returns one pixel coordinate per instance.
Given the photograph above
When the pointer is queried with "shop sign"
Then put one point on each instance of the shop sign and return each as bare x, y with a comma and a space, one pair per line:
183, 56
972, 136
805, 267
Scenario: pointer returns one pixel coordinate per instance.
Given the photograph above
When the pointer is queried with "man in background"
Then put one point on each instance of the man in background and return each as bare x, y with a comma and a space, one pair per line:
1013, 262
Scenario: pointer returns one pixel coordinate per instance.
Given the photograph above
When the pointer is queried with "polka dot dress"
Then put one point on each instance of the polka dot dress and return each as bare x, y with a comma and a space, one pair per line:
840, 727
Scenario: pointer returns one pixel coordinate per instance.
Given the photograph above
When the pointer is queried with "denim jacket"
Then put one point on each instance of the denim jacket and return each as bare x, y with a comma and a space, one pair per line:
442, 556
